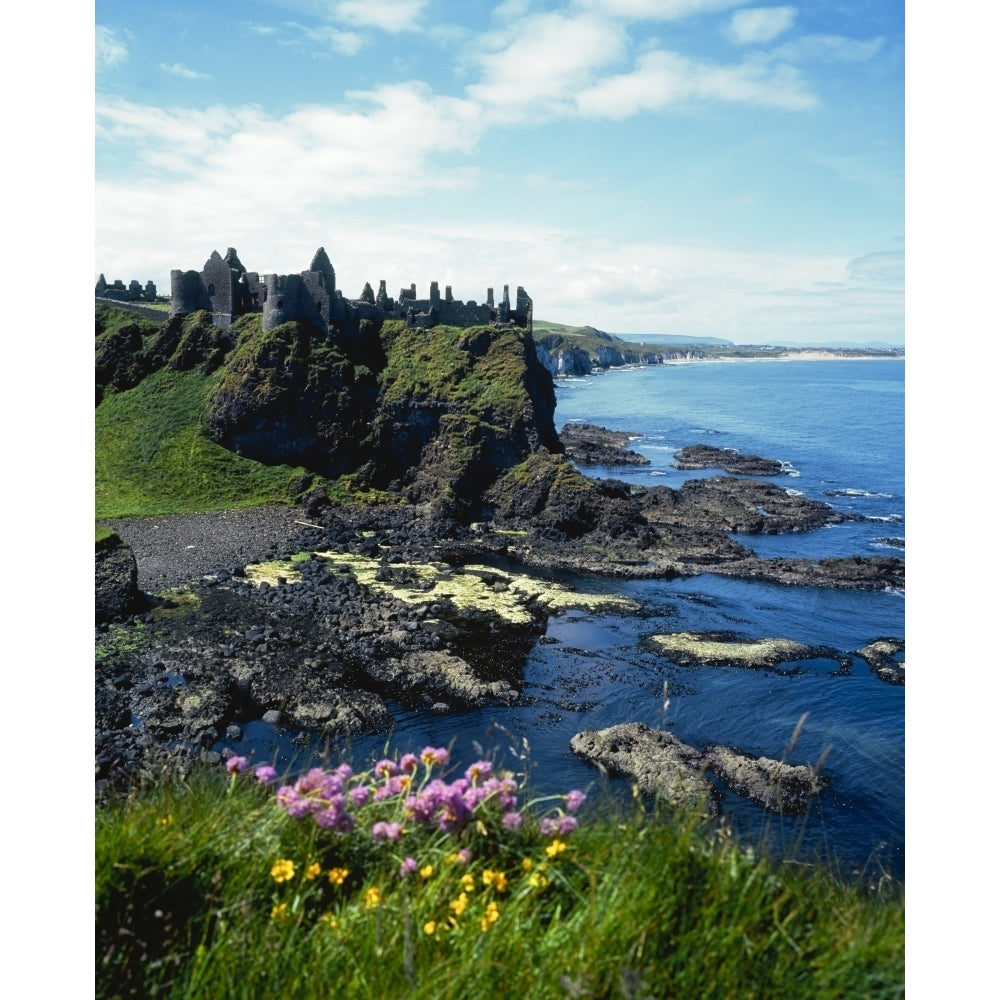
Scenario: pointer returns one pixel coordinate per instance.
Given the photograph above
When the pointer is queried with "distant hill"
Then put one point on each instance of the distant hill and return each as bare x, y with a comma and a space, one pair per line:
543, 328
848, 345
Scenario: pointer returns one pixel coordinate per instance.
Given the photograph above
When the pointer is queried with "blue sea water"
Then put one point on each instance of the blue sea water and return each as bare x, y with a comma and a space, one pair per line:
839, 426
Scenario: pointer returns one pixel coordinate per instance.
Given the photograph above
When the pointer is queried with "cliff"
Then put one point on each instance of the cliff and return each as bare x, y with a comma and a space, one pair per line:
456, 424
420, 414
577, 351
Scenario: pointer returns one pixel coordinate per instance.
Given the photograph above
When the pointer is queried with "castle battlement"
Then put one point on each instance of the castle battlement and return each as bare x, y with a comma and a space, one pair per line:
118, 292
225, 288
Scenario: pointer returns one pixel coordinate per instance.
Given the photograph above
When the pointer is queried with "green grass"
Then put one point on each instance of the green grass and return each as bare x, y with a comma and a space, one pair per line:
478, 368
153, 457
190, 903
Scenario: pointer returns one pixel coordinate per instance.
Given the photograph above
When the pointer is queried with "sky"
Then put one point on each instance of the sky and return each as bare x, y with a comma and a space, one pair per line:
689, 167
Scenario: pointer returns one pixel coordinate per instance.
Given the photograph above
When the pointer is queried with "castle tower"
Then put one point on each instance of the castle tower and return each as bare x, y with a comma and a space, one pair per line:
187, 293
321, 263
233, 260
281, 294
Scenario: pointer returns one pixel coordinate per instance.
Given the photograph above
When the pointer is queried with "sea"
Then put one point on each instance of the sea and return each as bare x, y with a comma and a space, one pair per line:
838, 427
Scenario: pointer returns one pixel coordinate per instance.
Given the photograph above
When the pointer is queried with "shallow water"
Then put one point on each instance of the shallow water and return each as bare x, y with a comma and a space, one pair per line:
839, 426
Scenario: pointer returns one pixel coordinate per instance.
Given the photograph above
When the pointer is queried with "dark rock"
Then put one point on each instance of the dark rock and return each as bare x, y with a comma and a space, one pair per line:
703, 456
116, 581
586, 444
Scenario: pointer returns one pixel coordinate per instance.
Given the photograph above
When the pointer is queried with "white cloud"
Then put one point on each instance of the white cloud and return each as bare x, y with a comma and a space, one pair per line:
315, 155
886, 267
259, 29
110, 51
179, 69
664, 78
345, 43
659, 10
389, 15
760, 24
828, 48
537, 70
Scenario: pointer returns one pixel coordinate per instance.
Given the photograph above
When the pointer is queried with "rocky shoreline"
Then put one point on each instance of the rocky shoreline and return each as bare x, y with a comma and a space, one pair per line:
311, 619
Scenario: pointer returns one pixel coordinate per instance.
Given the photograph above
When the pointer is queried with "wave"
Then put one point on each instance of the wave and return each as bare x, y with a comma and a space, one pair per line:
855, 493
886, 518
889, 543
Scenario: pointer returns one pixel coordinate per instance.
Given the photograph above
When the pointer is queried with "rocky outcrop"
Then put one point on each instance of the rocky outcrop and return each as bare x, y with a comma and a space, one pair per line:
663, 767
659, 764
116, 580
881, 657
778, 787
586, 444
291, 396
729, 650
703, 456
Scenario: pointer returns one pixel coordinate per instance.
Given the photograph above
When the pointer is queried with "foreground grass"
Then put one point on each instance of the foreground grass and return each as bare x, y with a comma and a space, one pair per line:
207, 887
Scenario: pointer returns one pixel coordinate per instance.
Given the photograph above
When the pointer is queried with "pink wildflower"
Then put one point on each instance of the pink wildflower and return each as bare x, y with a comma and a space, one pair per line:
265, 774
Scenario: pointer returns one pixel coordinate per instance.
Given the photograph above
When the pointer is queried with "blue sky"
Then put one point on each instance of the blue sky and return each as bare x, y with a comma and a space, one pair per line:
700, 167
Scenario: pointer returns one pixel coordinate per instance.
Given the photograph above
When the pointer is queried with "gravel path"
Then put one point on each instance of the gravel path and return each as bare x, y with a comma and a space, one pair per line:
179, 548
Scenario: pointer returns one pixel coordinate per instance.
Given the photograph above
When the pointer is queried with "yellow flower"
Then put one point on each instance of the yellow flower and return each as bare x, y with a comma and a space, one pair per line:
527, 864
497, 879
537, 880
314, 870
458, 905
166, 820
427, 871
491, 916
430, 927
373, 897
468, 882
337, 876
283, 870
279, 911
330, 920
556, 847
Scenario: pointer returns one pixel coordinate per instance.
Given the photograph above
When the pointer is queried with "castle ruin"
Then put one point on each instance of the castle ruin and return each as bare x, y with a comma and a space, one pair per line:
117, 292
228, 290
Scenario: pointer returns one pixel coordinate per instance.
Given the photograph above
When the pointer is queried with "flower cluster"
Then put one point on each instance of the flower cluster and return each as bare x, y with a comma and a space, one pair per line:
448, 851
334, 799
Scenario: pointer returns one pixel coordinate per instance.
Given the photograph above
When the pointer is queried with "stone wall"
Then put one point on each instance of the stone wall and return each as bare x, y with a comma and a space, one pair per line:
226, 289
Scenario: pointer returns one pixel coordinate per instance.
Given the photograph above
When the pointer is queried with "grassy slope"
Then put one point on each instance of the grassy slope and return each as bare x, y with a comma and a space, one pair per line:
152, 455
